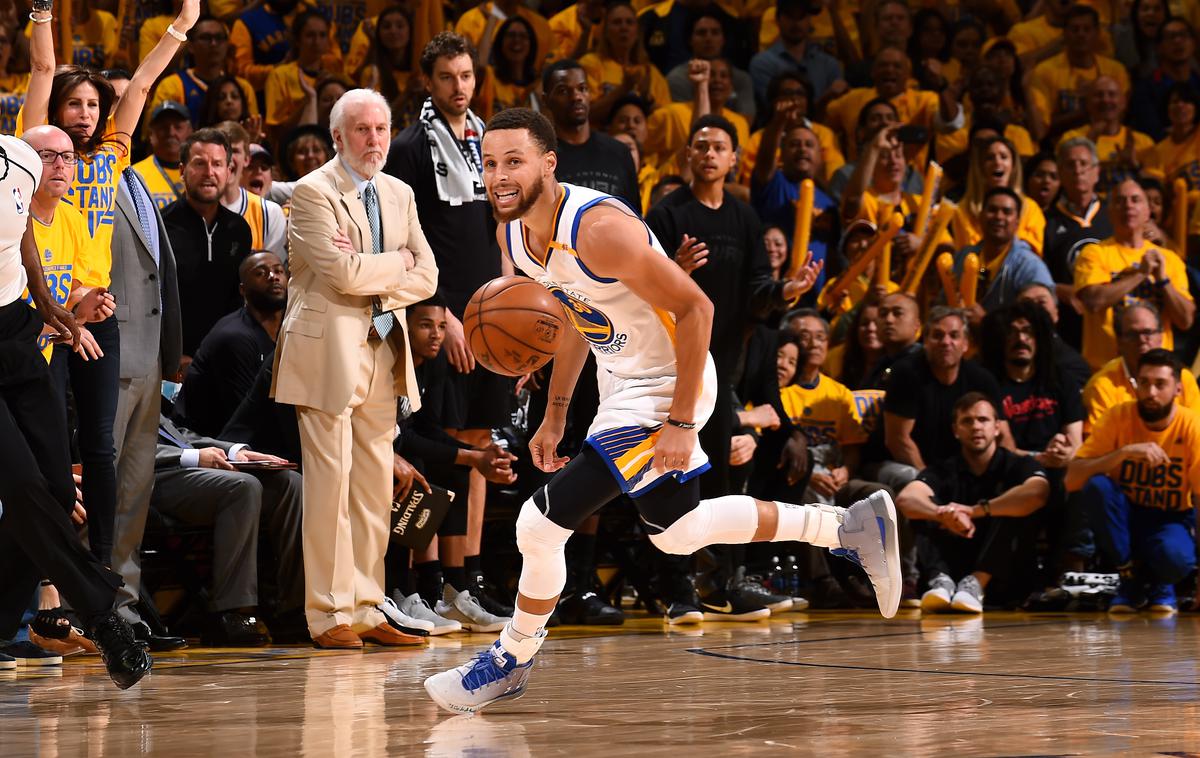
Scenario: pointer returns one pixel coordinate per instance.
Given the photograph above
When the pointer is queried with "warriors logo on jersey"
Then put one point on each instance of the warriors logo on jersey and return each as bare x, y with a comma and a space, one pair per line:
591, 324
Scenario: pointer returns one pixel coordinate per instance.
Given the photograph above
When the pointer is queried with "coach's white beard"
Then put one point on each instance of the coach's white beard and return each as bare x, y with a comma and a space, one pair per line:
367, 168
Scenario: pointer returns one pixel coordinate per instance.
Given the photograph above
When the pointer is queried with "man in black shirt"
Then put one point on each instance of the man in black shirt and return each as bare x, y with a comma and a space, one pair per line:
1079, 217
1069, 361
230, 356
979, 498
585, 157
721, 246
918, 412
209, 241
440, 157
899, 323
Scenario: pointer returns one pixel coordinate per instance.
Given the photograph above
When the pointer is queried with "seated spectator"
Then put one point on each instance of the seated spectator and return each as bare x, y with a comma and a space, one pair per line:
266, 219
305, 149
209, 241
389, 62
995, 163
169, 127
980, 499
1127, 268
899, 324
794, 53
263, 424
1178, 153
208, 49
197, 482
1140, 472
1006, 264
987, 92
577, 29
663, 28
1000, 55
224, 367
1134, 37
875, 116
262, 40
258, 176
291, 87
224, 100
329, 90
670, 125
1121, 149
1067, 357
965, 48
862, 348
510, 78
619, 66
789, 101
13, 82
891, 26
1042, 184
1175, 45
1139, 330
706, 41
489, 16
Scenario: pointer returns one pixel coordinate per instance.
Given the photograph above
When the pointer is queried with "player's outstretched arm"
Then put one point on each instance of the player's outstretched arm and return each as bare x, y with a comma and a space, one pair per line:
614, 244
564, 373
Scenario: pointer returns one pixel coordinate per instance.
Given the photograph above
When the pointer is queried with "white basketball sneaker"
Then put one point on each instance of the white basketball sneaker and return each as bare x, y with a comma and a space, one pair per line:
870, 538
490, 676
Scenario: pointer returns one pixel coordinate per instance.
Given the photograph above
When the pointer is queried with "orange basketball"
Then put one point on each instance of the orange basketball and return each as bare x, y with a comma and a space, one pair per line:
513, 325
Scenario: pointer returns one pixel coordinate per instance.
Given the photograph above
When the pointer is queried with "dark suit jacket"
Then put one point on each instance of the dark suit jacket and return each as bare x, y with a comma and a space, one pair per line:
147, 335
167, 455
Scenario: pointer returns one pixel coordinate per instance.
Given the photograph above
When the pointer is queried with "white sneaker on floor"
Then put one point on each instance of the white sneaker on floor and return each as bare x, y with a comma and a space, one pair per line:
466, 610
490, 676
939, 595
417, 608
403, 621
870, 538
968, 596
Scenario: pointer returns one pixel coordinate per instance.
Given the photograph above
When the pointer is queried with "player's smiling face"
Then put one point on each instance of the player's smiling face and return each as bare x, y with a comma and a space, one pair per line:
515, 170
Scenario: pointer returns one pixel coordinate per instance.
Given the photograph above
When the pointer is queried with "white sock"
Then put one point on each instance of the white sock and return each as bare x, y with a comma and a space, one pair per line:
814, 524
520, 645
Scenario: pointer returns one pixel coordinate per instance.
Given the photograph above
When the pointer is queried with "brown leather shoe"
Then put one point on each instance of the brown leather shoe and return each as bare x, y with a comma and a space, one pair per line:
341, 637
386, 634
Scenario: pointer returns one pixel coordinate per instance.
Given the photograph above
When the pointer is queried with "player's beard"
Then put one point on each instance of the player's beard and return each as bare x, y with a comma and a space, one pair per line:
527, 202
1152, 414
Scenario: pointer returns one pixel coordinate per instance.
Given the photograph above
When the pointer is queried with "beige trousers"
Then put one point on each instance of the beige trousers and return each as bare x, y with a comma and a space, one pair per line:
347, 498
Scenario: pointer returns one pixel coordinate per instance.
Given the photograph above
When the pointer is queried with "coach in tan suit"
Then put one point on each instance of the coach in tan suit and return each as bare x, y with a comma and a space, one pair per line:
343, 360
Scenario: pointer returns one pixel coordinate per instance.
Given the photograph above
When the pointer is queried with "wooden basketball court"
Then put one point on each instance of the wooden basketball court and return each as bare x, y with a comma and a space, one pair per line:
821, 683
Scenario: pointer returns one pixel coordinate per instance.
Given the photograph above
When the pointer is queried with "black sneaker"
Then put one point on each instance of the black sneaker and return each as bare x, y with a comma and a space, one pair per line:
753, 590
588, 609
28, 654
485, 594
682, 612
732, 606
7, 662
124, 657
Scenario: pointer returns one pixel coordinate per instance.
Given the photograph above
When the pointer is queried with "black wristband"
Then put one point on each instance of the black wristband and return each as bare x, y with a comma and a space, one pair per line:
681, 424
43, 6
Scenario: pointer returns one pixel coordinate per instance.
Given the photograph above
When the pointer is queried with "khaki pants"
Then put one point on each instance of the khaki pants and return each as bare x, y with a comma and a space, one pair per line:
347, 498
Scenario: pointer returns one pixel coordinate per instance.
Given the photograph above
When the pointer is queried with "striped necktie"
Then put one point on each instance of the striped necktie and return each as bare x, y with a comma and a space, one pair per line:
383, 320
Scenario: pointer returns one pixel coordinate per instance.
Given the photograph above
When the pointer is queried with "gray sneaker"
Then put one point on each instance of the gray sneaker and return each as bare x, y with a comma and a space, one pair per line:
466, 610
937, 598
968, 596
417, 608
403, 621
869, 538
490, 676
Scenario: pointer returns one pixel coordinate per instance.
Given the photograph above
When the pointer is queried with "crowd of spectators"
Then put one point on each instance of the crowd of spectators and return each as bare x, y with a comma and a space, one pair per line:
1014, 363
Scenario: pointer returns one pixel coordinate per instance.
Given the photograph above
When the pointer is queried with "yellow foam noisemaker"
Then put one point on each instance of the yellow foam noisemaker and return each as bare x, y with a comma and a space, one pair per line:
1180, 215
941, 220
933, 179
970, 280
803, 228
945, 269
852, 272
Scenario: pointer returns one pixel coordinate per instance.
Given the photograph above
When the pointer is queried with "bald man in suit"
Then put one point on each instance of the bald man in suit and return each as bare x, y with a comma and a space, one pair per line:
358, 258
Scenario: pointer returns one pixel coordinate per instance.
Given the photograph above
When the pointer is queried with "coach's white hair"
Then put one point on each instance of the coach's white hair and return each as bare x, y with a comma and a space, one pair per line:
356, 97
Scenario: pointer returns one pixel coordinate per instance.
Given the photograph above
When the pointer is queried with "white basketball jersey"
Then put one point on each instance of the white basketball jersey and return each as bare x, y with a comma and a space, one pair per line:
629, 337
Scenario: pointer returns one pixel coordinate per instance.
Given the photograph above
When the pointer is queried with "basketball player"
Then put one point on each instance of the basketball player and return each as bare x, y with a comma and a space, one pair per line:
648, 325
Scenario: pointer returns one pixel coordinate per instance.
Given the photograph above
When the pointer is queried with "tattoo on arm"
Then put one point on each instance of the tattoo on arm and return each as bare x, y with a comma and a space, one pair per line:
560, 401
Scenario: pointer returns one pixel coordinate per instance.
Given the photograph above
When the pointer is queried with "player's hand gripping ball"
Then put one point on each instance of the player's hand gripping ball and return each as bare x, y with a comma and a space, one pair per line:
513, 325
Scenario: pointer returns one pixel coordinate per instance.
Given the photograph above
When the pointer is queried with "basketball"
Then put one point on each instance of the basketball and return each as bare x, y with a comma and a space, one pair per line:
513, 325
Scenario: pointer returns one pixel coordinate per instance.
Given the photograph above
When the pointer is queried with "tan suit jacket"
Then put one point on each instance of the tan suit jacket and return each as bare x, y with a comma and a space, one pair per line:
330, 294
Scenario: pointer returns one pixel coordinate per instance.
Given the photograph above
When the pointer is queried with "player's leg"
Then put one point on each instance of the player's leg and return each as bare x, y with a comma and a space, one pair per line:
545, 523
681, 523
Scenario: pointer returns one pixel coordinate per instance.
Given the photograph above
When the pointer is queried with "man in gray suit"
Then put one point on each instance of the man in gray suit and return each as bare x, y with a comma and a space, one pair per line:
197, 482
147, 295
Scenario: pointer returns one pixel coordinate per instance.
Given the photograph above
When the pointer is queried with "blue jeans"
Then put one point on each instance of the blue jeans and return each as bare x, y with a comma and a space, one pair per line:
1161, 541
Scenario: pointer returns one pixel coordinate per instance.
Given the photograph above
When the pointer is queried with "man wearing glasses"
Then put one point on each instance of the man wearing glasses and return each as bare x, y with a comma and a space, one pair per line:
1139, 330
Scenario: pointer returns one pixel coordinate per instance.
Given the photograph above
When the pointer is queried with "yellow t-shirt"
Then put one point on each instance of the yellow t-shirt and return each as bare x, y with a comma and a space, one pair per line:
831, 153
242, 42
1055, 87
164, 182
151, 32
668, 127
93, 194
1031, 229
1112, 385
946, 146
1169, 159
1036, 33
826, 412
822, 26
12, 99
913, 106
284, 93
472, 24
95, 43
61, 244
604, 74
1109, 146
1100, 263
565, 27
1168, 487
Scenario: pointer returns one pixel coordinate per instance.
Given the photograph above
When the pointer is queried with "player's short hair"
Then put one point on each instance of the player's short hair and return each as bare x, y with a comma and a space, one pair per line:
206, 136
433, 301
444, 45
969, 401
539, 127
714, 121
565, 64
1162, 357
